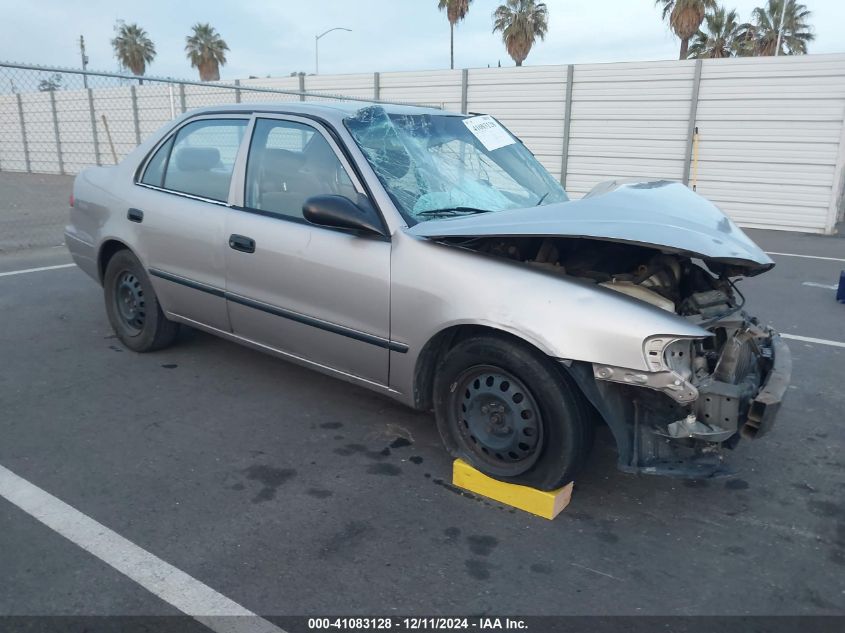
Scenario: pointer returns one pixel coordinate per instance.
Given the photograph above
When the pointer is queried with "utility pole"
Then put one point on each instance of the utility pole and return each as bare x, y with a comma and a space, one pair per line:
84, 60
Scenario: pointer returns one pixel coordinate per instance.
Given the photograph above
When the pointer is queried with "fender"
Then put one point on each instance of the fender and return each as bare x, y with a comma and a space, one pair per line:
563, 317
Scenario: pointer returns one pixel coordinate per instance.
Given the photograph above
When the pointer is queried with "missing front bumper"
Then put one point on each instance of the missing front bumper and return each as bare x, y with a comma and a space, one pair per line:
722, 415
659, 433
764, 408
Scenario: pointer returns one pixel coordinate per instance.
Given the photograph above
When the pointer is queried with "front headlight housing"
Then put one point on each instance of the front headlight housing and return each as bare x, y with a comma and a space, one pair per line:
665, 353
669, 360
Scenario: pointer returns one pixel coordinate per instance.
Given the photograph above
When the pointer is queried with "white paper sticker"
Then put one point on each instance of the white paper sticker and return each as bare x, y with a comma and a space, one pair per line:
487, 130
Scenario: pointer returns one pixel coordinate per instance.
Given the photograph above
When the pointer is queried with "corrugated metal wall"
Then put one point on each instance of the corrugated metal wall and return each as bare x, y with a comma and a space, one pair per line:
432, 87
538, 120
771, 137
770, 149
771, 133
628, 121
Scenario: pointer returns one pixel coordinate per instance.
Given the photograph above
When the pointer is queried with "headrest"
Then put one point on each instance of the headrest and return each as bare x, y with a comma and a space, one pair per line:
281, 161
197, 158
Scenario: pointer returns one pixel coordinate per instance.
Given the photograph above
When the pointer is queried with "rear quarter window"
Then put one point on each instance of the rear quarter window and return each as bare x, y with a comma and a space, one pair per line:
154, 173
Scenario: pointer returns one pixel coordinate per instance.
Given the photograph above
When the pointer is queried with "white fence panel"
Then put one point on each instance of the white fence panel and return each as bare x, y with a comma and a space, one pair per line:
628, 121
113, 108
770, 149
202, 96
74, 124
41, 137
12, 154
441, 88
274, 83
530, 101
358, 86
157, 104
770, 131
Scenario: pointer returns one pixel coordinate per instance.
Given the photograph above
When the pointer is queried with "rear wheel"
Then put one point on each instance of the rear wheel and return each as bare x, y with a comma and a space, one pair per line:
132, 306
511, 413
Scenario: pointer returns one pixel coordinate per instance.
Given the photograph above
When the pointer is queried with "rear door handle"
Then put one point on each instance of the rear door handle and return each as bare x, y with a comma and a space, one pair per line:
242, 243
135, 215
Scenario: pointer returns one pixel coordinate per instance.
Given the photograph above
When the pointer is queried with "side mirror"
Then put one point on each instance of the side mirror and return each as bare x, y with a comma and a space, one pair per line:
340, 212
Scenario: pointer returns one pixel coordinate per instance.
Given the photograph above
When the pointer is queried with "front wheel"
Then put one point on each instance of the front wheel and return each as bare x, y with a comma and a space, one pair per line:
510, 412
132, 306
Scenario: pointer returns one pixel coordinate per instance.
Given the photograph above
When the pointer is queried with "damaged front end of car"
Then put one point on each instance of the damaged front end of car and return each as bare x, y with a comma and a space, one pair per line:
659, 243
701, 397
696, 396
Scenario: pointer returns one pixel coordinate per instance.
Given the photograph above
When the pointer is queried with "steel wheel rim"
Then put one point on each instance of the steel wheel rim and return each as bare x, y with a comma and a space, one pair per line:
498, 419
129, 302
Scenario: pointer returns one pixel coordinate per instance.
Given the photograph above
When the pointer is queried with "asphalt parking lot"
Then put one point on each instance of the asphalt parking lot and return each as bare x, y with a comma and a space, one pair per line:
293, 493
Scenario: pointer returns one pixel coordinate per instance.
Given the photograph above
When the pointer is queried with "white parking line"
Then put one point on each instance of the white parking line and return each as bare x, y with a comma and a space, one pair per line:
830, 259
34, 270
813, 284
810, 339
172, 585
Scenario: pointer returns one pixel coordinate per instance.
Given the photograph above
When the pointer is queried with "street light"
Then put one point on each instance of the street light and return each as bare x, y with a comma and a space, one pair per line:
317, 46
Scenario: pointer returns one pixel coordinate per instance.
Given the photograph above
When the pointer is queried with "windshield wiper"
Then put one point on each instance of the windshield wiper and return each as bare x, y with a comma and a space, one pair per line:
453, 211
543, 197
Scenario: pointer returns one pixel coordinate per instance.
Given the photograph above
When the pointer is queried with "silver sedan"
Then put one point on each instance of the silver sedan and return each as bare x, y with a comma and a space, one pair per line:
430, 257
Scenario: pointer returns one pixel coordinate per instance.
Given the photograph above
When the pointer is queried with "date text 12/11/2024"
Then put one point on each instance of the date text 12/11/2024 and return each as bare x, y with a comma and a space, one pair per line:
417, 623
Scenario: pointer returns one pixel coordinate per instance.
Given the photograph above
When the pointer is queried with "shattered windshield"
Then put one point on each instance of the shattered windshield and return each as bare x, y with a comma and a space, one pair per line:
436, 165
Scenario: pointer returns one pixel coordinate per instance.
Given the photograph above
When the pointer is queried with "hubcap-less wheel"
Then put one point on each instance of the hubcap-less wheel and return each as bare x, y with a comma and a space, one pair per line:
132, 306
129, 301
498, 419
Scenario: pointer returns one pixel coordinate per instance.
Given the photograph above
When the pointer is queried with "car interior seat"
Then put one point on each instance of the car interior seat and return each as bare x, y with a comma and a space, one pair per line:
282, 185
196, 170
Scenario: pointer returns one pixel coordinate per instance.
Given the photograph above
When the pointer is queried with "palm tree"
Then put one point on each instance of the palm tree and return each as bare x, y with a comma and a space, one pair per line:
766, 27
207, 51
723, 36
456, 10
521, 23
133, 48
685, 18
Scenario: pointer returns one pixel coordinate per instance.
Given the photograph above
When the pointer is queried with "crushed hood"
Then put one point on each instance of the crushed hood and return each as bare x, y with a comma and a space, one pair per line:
664, 215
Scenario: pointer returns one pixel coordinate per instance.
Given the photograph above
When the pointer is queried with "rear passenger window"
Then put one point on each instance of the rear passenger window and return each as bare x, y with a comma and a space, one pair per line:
155, 168
288, 163
203, 158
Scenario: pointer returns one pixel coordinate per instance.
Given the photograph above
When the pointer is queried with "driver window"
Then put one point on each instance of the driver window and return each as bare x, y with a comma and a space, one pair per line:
288, 163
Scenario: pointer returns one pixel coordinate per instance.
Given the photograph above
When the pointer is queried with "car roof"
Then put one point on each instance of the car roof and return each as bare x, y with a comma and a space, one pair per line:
333, 110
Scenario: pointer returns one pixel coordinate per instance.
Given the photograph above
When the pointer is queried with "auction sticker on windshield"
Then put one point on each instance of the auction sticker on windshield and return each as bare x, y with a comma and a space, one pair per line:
487, 130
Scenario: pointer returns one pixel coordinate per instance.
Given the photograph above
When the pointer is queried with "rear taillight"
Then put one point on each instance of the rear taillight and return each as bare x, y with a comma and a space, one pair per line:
70, 200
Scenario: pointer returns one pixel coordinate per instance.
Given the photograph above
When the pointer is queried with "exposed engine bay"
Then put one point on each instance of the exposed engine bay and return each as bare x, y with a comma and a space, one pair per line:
670, 282
699, 395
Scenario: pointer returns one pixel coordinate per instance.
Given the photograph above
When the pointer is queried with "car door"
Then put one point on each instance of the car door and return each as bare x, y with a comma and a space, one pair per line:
180, 208
316, 293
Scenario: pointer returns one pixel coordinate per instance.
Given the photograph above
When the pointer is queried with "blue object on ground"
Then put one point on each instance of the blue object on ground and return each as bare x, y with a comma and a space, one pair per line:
840, 294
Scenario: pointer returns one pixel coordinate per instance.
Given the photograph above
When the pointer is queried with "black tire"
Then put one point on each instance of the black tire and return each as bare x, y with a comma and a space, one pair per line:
509, 411
132, 306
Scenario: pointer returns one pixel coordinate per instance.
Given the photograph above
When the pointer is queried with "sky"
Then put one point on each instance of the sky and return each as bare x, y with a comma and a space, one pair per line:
276, 37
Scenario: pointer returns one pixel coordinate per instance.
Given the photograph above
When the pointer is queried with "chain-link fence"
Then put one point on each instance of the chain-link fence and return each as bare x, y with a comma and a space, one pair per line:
769, 147
60, 121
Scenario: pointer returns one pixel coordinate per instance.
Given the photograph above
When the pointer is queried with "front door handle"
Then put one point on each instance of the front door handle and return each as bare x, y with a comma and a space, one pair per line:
242, 243
135, 215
